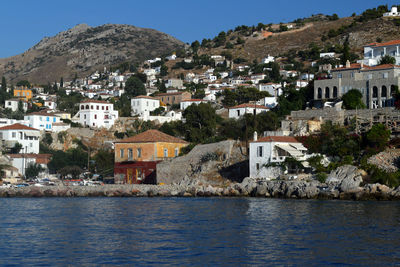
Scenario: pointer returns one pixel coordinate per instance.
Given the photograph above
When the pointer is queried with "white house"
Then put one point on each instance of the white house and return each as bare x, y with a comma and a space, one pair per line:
272, 149
237, 111
13, 104
393, 12
269, 102
171, 57
274, 89
6, 122
22, 161
306, 76
176, 83
267, 59
327, 55
186, 103
143, 103
50, 104
301, 83
375, 51
168, 117
96, 113
17, 133
42, 120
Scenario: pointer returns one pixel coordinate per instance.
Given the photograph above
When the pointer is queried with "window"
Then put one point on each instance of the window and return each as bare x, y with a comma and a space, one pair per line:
130, 154
9, 103
30, 144
339, 75
54, 119
147, 103
106, 107
97, 107
121, 153
176, 152
139, 152
385, 75
84, 116
165, 152
95, 116
259, 151
82, 107
102, 107
14, 134
257, 166
47, 119
91, 107
238, 112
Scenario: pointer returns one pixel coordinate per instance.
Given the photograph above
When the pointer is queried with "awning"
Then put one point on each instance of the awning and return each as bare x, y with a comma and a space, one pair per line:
298, 146
291, 150
32, 133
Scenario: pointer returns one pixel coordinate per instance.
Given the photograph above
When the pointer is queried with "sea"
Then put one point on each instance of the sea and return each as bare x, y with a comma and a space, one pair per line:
197, 232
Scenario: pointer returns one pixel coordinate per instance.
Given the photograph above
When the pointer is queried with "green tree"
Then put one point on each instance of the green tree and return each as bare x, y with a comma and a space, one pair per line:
387, 59
378, 136
163, 71
61, 82
104, 162
195, 46
353, 100
134, 87
47, 139
33, 170
346, 52
123, 105
24, 83
201, 123
3, 84
16, 148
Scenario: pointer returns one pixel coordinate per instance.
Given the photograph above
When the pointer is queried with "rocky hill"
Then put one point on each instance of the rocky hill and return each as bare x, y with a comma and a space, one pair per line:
259, 44
84, 49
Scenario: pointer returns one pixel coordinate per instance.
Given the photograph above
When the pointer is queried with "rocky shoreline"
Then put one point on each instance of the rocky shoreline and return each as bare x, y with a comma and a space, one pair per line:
345, 183
248, 188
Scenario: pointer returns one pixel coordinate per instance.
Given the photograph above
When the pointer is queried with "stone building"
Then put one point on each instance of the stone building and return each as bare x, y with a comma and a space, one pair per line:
377, 84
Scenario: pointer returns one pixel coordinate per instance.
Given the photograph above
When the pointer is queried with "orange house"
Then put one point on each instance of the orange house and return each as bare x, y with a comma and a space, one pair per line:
23, 92
136, 157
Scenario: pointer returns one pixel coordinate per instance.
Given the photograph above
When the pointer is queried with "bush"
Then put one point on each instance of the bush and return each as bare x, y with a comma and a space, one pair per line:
321, 176
210, 156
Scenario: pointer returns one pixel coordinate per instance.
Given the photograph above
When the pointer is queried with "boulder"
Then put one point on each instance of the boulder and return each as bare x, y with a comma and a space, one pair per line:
346, 178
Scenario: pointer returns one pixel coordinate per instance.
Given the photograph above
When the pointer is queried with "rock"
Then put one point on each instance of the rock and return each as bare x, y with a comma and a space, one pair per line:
346, 178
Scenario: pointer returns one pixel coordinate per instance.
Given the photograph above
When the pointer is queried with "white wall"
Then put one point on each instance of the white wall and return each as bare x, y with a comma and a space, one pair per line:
141, 105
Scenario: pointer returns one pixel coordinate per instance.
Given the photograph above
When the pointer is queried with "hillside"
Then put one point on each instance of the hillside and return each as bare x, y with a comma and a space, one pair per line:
84, 49
256, 46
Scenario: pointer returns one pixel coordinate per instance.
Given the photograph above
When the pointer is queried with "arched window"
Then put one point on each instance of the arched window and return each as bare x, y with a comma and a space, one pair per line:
335, 92
384, 91
327, 96
82, 107
375, 92
87, 106
319, 93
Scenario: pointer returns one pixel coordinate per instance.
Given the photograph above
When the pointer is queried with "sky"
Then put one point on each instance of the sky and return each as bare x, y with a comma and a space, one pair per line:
25, 22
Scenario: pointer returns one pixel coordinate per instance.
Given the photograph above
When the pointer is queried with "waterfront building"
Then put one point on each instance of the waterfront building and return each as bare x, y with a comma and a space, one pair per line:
96, 114
136, 157
17, 133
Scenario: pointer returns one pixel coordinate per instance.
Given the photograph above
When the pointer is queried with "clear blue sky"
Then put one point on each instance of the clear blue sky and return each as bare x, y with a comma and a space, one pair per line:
25, 22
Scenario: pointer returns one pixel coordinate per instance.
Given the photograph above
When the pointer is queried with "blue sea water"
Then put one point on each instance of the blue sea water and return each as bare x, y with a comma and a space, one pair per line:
197, 231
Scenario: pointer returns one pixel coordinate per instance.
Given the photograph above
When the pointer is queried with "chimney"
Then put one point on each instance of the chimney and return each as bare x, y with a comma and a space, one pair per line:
255, 136
347, 64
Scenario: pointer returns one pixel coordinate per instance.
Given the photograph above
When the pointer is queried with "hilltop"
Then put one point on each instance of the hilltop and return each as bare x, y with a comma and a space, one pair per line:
84, 49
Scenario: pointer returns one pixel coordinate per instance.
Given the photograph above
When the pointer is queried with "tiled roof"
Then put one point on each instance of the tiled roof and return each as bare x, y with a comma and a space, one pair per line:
152, 136
194, 100
247, 105
366, 67
95, 101
40, 158
394, 42
282, 139
17, 126
145, 96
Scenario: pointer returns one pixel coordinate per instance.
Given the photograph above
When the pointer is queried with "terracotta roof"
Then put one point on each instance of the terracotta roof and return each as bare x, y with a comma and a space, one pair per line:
145, 96
248, 105
17, 126
283, 139
394, 42
95, 101
40, 158
194, 100
366, 67
152, 136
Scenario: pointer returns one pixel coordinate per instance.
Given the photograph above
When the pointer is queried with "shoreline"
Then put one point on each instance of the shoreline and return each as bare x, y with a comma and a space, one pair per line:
248, 188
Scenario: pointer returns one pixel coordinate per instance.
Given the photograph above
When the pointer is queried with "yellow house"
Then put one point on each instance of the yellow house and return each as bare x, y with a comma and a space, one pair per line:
136, 157
23, 92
